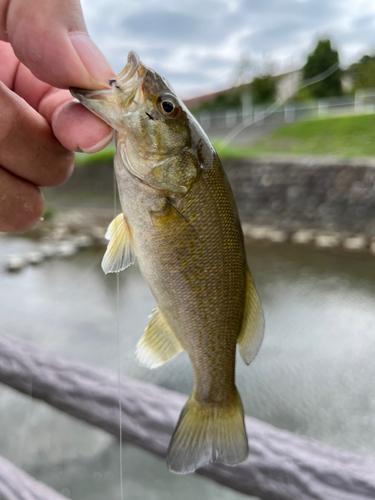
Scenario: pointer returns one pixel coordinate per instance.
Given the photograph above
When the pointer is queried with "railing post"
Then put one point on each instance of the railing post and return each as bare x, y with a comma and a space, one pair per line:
259, 114
230, 118
205, 120
247, 105
358, 101
322, 108
289, 112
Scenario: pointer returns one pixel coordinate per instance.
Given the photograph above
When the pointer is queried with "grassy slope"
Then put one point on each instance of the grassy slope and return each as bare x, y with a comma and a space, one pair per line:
103, 156
344, 137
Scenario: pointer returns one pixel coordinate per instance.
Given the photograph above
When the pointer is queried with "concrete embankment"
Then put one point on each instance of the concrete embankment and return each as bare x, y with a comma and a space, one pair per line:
324, 202
318, 201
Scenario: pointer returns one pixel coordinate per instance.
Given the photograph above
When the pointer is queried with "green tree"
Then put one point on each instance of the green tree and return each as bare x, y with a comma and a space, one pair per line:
322, 58
263, 89
362, 73
229, 99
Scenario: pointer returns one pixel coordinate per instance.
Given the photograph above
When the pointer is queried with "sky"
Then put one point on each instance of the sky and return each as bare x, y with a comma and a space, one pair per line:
200, 45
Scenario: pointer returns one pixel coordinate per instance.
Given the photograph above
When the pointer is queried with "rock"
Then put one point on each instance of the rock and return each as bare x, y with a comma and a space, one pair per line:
303, 237
355, 243
328, 240
36, 258
256, 232
83, 241
98, 233
58, 233
276, 236
49, 251
15, 263
66, 249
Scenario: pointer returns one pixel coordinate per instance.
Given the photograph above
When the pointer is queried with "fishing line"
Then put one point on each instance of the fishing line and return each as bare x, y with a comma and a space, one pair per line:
118, 343
274, 107
119, 379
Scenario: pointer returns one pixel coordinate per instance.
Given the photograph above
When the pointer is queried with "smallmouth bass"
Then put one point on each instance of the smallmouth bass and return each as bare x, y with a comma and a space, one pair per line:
181, 223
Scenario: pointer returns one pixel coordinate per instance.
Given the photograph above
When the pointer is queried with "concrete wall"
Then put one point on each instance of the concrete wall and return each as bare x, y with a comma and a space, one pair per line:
305, 194
310, 193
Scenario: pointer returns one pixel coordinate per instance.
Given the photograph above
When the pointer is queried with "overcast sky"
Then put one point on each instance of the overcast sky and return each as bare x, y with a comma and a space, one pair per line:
198, 44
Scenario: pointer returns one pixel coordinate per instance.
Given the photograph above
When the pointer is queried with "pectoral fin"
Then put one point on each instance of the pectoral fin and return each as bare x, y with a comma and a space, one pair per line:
158, 344
251, 335
120, 253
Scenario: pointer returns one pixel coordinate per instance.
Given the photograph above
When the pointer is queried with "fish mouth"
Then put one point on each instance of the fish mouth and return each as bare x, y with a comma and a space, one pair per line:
119, 99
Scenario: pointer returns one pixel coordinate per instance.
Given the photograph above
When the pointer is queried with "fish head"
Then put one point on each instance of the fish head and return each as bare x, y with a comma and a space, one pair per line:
145, 112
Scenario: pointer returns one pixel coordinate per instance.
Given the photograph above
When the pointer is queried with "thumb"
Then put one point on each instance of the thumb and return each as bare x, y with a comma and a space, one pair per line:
51, 39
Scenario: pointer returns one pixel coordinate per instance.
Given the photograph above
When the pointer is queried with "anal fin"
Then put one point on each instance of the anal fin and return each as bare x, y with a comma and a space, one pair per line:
158, 344
252, 331
120, 253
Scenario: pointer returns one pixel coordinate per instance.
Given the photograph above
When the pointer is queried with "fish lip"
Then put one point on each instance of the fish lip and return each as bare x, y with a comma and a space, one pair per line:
123, 80
81, 94
132, 65
119, 83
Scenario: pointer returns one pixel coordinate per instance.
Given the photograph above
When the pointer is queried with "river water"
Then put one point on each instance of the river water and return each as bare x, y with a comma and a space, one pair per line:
314, 374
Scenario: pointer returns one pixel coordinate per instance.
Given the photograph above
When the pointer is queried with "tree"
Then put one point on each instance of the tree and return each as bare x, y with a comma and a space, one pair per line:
228, 99
322, 58
263, 89
362, 73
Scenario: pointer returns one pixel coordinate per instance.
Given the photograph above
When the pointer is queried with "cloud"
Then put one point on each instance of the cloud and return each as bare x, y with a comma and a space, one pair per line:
164, 25
197, 44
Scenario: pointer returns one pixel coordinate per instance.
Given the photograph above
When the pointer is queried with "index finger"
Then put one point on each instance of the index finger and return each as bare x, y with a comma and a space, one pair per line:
51, 39
76, 128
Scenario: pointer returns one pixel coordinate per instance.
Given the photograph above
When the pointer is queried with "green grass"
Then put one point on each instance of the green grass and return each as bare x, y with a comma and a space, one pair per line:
343, 137
103, 156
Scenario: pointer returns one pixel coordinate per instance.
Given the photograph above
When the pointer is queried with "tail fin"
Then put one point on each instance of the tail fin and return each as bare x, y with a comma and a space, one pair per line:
208, 433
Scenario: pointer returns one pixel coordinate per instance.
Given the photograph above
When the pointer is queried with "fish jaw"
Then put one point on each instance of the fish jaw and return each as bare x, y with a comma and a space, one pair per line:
124, 96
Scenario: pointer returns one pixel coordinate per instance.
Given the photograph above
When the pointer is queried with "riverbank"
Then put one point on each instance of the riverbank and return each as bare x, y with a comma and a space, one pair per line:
316, 194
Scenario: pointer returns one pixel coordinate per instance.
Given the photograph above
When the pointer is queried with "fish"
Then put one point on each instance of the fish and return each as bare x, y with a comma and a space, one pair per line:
180, 222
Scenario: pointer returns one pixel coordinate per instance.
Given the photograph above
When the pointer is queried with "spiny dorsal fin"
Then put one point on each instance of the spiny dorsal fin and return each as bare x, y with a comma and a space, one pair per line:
158, 344
120, 253
252, 331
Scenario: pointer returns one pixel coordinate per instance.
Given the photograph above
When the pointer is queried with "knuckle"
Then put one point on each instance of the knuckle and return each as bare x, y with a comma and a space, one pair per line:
10, 113
62, 169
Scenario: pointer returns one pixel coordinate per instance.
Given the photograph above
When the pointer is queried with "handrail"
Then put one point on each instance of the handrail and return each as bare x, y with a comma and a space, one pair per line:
280, 466
15, 484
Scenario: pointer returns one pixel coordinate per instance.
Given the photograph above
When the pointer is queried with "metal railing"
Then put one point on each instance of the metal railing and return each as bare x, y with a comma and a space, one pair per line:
363, 102
280, 466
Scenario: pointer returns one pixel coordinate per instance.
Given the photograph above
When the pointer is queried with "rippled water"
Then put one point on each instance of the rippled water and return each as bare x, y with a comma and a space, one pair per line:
314, 374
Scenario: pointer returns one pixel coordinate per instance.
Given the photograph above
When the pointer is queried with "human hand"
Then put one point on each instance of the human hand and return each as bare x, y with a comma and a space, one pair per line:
44, 49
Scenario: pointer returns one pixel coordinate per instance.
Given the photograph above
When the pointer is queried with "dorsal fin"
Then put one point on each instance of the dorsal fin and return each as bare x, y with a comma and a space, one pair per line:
252, 331
158, 344
120, 253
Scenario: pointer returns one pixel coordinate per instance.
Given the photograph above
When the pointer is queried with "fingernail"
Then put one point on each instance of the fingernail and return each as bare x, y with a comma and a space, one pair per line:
92, 58
97, 147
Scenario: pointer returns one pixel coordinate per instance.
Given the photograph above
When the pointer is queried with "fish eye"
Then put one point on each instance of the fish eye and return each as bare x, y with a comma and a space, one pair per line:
168, 106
